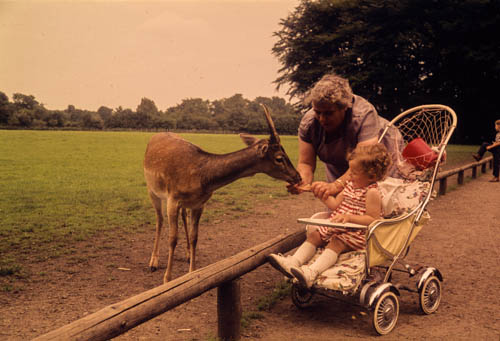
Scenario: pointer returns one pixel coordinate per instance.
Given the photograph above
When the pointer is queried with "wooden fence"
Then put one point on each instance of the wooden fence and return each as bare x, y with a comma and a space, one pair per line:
442, 177
116, 319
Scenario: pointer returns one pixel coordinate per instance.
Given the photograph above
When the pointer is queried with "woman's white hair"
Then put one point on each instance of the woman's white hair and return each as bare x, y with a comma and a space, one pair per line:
331, 88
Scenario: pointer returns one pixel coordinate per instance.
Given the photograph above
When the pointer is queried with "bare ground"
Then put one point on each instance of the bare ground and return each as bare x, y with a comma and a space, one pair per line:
461, 240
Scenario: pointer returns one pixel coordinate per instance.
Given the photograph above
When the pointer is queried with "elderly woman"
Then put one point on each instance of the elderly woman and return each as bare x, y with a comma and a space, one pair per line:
337, 123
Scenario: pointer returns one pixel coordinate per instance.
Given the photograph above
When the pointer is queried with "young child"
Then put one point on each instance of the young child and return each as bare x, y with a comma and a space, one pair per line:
359, 202
494, 148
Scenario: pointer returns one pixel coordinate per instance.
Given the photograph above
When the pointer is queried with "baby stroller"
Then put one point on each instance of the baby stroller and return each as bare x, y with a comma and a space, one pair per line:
366, 278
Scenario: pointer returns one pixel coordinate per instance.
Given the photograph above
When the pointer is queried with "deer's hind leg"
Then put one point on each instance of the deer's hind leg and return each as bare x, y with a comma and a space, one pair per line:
173, 215
185, 222
155, 255
193, 236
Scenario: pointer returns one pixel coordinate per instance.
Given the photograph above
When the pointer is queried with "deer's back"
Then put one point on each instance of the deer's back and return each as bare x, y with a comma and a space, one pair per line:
168, 151
172, 165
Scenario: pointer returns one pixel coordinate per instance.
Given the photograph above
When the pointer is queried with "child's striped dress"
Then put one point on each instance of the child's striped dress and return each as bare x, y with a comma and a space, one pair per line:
354, 203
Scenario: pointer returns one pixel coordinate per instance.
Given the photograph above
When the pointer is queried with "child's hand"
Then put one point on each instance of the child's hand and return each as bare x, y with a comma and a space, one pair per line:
340, 218
323, 190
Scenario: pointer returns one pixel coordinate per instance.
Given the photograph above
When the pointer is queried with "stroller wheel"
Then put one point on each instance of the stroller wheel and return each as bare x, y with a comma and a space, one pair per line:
430, 295
301, 297
386, 313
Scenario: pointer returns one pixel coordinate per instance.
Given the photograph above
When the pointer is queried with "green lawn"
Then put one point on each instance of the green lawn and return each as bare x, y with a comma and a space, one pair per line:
58, 187
62, 186
459, 155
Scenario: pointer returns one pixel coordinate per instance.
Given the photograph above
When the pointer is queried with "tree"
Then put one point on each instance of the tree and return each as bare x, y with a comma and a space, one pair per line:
92, 121
24, 101
146, 113
233, 113
5, 108
105, 112
57, 119
193, 113
147, 107
398, 53
21, 118
286, 118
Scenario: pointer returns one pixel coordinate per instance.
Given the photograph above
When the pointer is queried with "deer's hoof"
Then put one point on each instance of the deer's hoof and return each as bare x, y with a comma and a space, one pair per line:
153, 268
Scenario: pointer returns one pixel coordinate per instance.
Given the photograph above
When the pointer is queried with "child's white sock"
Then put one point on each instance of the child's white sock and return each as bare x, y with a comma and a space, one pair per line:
305, 252
324, 261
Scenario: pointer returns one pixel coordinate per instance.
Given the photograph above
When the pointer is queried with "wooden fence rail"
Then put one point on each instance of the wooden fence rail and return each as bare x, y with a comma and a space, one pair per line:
116, 319
442, 177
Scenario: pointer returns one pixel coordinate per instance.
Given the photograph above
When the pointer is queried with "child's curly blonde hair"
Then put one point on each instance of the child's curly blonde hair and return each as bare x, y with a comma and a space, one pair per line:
373, 159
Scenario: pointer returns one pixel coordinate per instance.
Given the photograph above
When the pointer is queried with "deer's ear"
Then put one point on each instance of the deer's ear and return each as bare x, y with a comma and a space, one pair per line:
248, 139
262, 150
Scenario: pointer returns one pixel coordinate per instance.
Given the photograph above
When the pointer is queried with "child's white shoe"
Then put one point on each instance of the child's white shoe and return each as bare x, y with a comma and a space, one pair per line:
283, 263
305, 275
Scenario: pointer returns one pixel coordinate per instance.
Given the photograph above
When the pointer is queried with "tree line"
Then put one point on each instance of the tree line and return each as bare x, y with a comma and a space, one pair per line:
233, 114
396, 53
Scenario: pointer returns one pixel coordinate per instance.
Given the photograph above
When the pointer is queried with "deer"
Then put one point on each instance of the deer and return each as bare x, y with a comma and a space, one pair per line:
184, 177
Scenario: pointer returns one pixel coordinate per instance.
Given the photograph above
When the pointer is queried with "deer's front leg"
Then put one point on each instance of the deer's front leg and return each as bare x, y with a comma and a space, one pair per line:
155, 255
173, 213
193, 236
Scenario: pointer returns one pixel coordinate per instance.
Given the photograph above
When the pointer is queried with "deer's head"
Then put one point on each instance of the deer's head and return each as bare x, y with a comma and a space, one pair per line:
274, 160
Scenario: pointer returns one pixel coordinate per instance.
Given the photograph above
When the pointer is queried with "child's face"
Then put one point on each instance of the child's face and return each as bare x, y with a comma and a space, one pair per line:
497, 127
358, 176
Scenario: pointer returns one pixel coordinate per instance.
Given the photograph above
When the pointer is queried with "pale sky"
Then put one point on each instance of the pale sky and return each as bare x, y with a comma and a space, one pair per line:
113, 53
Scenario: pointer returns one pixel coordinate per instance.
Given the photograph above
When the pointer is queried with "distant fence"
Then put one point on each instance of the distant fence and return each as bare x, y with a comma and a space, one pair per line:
442, 177
116, 319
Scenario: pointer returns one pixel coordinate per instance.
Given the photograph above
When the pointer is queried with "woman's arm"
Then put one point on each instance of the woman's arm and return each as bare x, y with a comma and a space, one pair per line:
305, 166
307, 161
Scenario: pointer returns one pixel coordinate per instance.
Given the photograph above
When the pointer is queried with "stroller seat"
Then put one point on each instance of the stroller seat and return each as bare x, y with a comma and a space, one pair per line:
347, 273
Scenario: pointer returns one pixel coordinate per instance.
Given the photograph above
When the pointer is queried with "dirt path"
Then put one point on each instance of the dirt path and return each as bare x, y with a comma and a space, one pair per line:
461, 240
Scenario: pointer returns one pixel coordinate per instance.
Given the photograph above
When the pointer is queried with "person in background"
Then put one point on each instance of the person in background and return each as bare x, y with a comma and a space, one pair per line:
494, 148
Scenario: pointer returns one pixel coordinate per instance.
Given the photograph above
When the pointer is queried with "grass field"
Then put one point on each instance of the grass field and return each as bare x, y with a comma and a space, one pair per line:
58, 187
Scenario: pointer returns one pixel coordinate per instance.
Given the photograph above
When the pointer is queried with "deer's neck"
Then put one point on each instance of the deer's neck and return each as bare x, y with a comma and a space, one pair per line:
221, 170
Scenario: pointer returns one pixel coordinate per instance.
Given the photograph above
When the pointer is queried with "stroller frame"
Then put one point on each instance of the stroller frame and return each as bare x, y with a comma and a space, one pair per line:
434, 123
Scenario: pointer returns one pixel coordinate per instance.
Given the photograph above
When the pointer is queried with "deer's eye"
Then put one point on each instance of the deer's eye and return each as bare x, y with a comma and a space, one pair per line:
279, 158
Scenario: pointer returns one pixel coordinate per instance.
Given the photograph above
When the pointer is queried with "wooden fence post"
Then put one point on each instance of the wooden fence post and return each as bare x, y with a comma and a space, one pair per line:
474, 172
229, 310
442, 185
483, 168
460, 178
